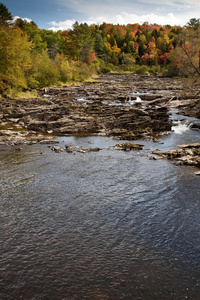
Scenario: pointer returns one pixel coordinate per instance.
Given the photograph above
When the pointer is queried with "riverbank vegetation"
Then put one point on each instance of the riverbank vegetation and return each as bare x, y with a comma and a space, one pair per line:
33, 58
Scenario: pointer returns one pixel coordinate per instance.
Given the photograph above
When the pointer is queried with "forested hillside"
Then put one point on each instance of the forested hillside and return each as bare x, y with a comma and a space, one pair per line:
33, 58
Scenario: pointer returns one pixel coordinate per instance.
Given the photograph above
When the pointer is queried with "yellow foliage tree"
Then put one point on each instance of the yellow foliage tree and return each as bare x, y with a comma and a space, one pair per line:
15, 58
43, 71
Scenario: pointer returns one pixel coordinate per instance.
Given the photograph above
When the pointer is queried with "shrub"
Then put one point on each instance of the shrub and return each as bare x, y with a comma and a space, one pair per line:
143, 70
172, 71
66, 72
43, 72
155, 70
105, 70
82, 72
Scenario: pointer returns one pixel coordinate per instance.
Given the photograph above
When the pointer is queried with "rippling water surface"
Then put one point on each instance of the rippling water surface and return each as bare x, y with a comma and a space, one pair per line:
106, 225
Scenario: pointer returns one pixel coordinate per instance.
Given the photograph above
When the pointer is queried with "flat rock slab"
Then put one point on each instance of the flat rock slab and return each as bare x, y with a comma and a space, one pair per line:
189, 154
108, 105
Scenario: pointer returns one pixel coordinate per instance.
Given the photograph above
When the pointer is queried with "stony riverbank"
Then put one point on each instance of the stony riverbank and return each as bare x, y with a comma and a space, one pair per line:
124, 106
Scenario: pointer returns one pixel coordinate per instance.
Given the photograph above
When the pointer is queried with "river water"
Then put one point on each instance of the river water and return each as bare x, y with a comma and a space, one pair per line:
99, 225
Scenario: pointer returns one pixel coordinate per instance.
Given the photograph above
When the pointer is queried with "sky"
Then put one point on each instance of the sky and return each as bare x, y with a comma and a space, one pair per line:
62, 14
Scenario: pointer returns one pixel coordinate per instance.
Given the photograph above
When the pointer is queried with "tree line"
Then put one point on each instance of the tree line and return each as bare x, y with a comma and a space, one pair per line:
33, 58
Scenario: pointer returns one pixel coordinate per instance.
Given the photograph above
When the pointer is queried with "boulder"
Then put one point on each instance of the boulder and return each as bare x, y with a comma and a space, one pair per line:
57, 149
189, 154
80, 149
68, 149
193, 145
157, 152
195, 126
127, 146
95, 149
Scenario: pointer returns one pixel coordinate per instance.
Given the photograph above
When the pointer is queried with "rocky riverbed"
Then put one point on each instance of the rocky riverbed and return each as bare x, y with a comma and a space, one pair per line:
124, 106
187, 154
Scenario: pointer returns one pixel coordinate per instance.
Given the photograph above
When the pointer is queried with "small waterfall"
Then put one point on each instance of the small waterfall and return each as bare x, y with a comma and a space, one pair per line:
130, 101
180, 127
138, 100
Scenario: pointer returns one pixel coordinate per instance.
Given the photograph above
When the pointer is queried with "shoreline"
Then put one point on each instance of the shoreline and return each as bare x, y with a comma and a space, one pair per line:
119, 106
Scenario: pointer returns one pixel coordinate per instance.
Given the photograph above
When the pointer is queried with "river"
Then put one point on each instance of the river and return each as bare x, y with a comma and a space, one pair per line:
100, 225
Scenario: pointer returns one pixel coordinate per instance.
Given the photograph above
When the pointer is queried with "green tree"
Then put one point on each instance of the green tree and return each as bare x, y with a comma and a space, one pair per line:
133, 49
99, 46
53, 41
5, 15
34, 34
70, 44
193, 24
142, 44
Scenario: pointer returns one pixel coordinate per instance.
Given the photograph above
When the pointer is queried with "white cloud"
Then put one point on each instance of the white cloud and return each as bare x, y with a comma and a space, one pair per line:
67, 24
125, 18
24, 19
162, 12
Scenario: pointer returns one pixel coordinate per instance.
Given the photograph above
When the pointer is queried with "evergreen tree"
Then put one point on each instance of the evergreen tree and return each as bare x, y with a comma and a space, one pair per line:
5, 15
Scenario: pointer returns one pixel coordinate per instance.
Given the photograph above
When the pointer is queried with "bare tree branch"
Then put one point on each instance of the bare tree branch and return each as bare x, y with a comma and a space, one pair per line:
190, 61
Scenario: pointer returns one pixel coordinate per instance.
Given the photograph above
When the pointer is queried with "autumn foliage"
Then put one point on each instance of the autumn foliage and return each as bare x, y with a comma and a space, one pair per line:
33, 57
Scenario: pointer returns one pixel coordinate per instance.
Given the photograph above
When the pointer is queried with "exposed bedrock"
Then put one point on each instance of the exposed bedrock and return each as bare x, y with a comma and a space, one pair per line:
125, 106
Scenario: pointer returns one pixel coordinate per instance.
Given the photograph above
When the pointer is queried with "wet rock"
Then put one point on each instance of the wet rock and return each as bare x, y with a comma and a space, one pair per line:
157, 157
68, 149
192, 108
150, 97
127, 146
124, 134
191, 145
189, 154
157, 152
57, 149
195, 126
80, 149
86, 150
189, 160
48, 141
172, 154
95, 149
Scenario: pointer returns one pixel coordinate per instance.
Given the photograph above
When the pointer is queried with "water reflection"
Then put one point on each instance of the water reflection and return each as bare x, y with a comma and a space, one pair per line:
106, 225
